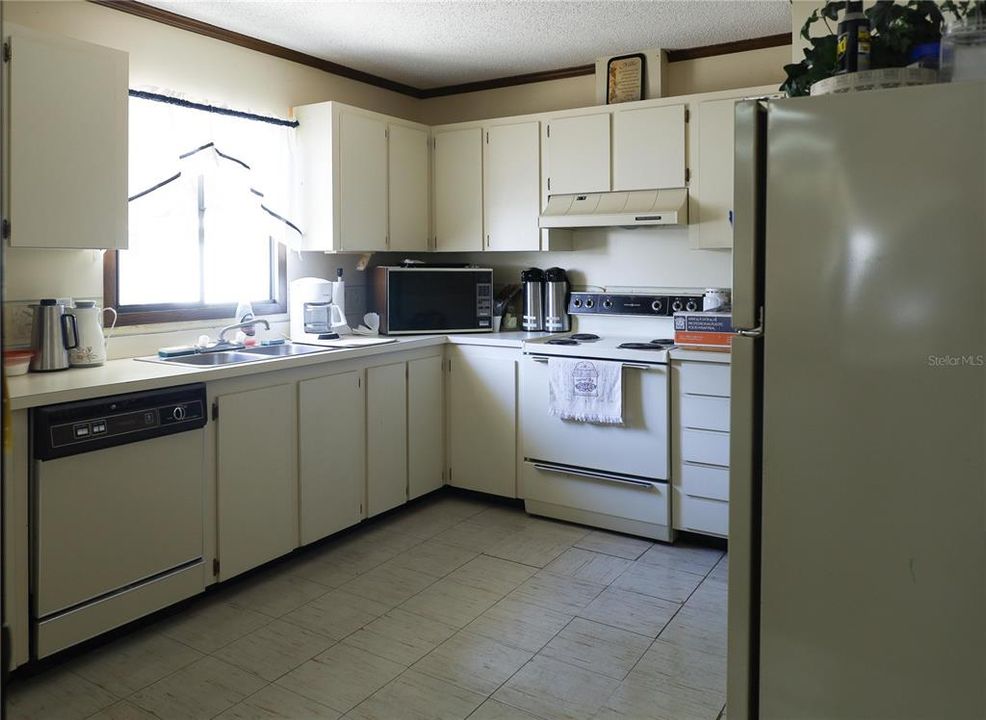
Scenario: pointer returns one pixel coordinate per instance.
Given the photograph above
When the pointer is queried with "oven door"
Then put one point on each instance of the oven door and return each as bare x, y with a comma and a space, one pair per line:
438, 300
638, 448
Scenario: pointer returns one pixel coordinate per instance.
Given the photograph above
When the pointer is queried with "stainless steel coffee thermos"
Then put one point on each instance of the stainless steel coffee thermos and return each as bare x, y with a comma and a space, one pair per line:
532, 282
53, 333
545, 300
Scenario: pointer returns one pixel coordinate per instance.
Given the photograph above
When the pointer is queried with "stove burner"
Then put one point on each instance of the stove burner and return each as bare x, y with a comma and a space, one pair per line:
664, 342
584, 336
561, 341
641, 346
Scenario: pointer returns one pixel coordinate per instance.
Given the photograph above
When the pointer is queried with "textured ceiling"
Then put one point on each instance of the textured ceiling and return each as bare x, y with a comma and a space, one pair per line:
431, 44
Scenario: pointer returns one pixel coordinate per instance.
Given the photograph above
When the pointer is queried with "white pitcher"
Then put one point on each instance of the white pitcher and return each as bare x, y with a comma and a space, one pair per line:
91, 350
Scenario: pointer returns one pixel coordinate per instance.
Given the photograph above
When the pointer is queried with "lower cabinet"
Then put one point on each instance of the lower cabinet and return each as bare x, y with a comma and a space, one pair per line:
331, 463
482, 419
425, 426
257, 490
386, 437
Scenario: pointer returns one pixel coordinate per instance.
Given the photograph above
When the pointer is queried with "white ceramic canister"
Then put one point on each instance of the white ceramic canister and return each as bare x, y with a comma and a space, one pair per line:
91, 350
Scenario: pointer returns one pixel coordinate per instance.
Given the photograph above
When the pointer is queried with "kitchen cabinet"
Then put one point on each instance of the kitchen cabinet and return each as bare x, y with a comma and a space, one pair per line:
386, 438
482, 419
512, 187
425, 425
649, 148
331, 461
700, 422
362, 182
408, 188
256, 476
711, 188
577, 151
458, 173
67, 125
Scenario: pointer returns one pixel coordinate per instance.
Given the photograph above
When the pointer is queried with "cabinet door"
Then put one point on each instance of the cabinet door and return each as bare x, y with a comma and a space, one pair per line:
426, 426
458, 163
256, 477
578, 154
649, 148
386, 438
68, 143
331, 458
512, 189
408, 182
483, 420
711, 191
362, 182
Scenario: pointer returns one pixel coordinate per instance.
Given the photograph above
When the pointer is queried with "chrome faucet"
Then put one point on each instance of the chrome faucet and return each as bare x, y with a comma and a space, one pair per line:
246, 322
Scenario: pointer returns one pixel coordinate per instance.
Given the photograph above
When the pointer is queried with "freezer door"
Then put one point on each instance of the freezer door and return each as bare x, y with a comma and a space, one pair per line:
873, 583
748, 213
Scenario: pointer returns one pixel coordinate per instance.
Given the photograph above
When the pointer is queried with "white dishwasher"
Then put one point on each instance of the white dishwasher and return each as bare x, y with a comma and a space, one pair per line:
117, 511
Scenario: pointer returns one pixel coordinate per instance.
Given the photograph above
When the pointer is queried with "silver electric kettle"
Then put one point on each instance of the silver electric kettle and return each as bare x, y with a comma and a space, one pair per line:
53, 333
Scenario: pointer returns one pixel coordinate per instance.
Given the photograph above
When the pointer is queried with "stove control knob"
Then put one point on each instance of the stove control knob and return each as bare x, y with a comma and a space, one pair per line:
607, 303
178, 413
692, 306
577, 302
676, 306
590, 303
657, 306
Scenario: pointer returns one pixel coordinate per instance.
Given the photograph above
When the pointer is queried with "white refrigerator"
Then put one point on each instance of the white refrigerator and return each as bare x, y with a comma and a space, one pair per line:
857, 578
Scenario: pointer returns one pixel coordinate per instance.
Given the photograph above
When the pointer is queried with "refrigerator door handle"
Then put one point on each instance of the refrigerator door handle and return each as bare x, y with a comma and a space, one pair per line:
752, 332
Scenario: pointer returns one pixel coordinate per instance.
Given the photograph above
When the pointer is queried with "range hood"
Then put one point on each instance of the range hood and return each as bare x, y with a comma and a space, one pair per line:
617, 209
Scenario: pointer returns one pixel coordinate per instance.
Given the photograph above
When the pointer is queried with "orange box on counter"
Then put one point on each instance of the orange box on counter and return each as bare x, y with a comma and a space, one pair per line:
707, 330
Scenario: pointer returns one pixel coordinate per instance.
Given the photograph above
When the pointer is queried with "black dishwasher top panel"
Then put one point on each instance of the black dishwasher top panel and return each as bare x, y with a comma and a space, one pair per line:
88, 425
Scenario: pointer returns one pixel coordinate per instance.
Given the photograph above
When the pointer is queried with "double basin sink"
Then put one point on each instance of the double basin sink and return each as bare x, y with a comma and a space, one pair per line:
242, 355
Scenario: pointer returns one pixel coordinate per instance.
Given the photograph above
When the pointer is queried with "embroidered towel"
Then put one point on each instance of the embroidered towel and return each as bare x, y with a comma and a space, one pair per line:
585, 390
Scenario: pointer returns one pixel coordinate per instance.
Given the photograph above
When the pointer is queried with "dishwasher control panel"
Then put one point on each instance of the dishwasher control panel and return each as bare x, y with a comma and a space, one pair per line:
73, 428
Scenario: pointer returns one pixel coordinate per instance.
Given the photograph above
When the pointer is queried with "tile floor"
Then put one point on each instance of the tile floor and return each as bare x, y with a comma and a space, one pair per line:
451, 608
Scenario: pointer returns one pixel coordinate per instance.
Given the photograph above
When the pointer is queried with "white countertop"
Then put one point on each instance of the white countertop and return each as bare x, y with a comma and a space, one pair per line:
129, 375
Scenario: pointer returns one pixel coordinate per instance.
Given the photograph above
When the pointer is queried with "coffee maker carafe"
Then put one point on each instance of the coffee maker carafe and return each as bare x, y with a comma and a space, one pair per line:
556, 301
532, 281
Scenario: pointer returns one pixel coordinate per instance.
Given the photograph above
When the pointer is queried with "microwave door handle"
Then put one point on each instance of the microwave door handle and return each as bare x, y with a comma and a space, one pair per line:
593, 475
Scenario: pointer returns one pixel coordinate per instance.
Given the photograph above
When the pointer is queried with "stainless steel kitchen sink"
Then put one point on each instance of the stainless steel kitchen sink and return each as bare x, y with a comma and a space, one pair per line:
283, 350
228, 357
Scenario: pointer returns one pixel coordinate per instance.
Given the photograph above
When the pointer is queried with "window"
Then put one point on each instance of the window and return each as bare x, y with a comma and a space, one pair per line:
203, 236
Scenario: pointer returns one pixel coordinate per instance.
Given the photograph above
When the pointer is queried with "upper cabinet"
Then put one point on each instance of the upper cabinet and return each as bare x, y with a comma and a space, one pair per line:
458, 167
363, 177
511, 192
68, 143
649, 148
577, 154
711, 189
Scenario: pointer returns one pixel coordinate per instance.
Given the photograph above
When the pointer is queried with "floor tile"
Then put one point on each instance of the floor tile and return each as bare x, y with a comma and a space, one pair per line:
520, 624
274, 649
342, 677
495, 710
451, 602
123, 710
711, 596
557, 592
658, 581
337, 614
600, 648
631, 611
388, 584
212, 624
323, 570
493, 574
275, 703
474, 536
200, 690
693, 558
59, 693
531, 546
635, 700
433, 558
624, 546
276, 594
134, 662
473, 662
588, 565
364, 550
401, 636
502, 516
556, 691
686, 666
416, 696
697, 629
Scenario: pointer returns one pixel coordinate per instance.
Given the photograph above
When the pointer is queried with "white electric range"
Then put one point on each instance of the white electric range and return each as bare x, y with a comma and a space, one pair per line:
613, 476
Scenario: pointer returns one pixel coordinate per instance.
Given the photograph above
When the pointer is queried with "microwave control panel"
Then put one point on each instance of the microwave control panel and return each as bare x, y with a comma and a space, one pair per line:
484, 304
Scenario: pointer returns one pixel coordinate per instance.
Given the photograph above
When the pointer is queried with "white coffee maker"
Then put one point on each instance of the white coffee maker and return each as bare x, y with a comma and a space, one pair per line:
314, 318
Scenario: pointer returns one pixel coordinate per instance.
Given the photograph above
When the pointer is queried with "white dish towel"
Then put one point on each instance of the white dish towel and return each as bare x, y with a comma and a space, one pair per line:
585, 390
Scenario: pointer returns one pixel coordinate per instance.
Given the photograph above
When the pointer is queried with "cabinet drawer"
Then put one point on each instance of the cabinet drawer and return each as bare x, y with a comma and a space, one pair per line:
701, 378
707, 481
705, 412
705, 446
701, 515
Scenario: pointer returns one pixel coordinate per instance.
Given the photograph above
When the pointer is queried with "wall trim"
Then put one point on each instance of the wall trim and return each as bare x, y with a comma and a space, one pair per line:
166, 17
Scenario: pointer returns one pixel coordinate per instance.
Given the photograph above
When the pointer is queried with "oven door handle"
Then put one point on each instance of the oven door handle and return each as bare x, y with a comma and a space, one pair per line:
633, 366
594, 475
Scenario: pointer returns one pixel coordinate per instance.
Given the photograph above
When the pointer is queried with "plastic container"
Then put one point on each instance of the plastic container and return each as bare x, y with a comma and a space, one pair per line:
963, 50
16, 362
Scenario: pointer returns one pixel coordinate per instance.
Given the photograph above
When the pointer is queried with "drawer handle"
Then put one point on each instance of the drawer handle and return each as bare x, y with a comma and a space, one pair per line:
561, 469
713, 466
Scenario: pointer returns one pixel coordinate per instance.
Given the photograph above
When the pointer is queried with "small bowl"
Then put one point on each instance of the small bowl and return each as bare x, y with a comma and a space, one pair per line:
16, 362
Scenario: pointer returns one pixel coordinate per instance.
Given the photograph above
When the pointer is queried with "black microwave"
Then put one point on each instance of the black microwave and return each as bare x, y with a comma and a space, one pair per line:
418, 300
